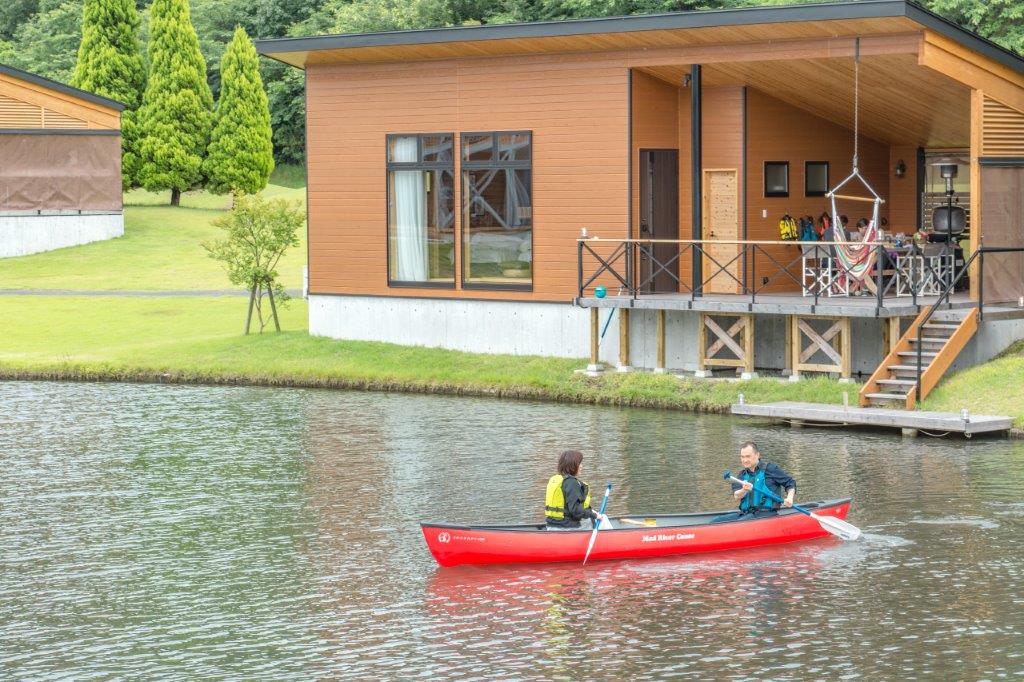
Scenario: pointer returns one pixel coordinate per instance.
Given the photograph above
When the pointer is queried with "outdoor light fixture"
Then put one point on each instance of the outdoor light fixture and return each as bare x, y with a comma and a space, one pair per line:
901, 168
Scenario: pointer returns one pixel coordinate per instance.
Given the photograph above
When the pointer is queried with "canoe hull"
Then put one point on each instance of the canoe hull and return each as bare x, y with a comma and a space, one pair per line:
453, 545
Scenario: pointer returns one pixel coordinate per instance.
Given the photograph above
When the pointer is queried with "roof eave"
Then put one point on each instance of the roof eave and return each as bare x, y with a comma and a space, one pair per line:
61, 87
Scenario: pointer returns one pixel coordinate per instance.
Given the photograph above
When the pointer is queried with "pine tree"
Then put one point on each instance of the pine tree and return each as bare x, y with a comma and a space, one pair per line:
241, 155
176, 113
110, 65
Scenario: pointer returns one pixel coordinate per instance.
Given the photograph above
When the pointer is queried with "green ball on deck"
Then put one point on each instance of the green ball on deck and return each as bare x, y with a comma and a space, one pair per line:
600, 292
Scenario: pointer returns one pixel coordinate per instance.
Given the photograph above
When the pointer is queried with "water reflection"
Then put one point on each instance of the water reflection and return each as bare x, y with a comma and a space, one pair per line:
156, 531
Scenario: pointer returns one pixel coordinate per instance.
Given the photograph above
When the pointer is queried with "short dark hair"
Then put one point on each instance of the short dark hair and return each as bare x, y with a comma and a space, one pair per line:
569, 462
750, 444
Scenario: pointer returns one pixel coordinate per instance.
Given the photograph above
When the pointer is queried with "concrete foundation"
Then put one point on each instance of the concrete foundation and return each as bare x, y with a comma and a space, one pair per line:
22, 234
562, 330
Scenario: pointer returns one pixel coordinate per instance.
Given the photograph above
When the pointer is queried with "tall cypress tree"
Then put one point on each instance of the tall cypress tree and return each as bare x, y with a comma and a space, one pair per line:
110, 65
241, 155
176, 112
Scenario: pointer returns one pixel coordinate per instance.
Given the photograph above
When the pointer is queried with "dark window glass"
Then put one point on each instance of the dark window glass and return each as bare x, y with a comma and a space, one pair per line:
421, 210
776, 178
815, 178
478, 148
497, 233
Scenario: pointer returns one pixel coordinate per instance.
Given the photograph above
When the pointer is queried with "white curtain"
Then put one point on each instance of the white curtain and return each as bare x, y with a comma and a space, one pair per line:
410, 215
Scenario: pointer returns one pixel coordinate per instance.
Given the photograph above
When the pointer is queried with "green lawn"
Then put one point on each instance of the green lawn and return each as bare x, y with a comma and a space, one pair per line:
199, 339
995, 387
160, 250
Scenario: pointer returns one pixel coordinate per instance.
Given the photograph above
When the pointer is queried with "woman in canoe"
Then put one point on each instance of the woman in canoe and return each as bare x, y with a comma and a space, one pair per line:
567, 500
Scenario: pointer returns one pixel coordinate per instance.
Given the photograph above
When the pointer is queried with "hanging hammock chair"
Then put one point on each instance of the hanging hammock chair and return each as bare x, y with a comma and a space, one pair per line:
855, 258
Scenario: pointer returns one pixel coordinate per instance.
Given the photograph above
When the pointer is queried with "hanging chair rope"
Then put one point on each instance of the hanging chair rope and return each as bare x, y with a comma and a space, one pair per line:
855, 258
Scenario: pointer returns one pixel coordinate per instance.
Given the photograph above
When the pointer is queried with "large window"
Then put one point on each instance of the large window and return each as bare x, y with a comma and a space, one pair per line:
421, 210
497, 226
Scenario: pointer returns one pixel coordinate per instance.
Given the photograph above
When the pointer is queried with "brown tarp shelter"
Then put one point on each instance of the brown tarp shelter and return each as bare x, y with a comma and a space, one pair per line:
1002, 211
48, 172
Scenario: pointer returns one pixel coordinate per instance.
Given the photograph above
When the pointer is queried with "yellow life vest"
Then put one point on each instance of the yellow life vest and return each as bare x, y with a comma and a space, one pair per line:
787, 228
554, 500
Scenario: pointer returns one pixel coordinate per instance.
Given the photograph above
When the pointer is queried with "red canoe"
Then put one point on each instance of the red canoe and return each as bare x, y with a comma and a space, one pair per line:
453, 545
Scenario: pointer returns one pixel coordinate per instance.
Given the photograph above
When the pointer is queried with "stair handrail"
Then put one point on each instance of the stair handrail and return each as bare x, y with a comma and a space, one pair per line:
933, 308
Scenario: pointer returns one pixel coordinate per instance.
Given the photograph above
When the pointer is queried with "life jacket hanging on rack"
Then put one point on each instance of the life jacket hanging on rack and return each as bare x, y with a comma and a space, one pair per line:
787, 228
554, 499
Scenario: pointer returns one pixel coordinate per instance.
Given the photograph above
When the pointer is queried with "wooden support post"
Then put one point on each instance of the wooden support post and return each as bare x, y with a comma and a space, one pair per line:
702, 345
788, 359
794, 359
895, 334
624, 340
977, 111
659, 360
845, 350
748, 347
595, 331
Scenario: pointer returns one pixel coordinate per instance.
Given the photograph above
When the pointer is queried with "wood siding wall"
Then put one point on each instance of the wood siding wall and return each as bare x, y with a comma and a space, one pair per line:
779, 132
902, 196
27, 105
576, 107
1002, 130
655, 126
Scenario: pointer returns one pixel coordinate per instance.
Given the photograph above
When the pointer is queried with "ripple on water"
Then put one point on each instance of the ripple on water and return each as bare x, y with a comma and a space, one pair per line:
189, 532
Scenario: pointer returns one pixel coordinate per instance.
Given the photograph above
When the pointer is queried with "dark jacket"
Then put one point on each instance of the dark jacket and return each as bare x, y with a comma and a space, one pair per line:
572, 491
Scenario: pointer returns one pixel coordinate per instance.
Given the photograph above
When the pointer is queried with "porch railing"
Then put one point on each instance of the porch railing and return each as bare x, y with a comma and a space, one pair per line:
635, 265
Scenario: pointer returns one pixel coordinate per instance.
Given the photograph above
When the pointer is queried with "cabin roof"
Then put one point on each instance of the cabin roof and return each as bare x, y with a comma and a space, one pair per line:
865, 17
60, 87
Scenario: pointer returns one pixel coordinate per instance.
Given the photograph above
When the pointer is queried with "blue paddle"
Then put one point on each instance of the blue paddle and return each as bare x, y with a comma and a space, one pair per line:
597, 525
837, 527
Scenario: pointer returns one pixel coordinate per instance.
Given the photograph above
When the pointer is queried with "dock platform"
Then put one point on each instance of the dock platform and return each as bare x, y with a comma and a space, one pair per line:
906, 420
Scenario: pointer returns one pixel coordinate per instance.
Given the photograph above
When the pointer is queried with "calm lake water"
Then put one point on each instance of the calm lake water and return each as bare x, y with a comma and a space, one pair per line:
155, 532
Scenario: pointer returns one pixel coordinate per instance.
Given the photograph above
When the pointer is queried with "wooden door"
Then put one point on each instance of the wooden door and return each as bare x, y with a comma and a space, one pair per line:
659, 218
721, 222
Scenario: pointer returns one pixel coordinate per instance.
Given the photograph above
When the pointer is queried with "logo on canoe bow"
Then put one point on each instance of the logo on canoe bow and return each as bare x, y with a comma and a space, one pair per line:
444, 537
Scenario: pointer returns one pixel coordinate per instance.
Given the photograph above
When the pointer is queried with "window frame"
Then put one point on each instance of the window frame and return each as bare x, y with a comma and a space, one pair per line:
767, 193
417, 165
807, 175
515, 164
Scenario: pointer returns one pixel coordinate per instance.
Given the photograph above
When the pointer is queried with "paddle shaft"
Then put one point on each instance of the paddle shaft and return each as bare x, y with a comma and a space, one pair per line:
597, 522
846, 531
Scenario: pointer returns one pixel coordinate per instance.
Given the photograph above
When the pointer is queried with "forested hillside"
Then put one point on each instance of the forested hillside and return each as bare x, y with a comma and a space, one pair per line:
43, 35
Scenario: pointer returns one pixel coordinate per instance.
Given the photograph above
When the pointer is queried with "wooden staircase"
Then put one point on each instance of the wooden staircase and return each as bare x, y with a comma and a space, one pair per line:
894, 383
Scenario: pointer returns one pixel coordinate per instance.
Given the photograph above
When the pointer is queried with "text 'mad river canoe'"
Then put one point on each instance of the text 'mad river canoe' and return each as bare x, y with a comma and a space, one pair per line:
630, 537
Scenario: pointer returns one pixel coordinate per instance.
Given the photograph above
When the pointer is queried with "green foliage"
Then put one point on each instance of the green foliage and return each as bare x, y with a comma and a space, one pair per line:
13, 14
47, 42
110, 65
240, 156
175, 117
1001, 21
257, 233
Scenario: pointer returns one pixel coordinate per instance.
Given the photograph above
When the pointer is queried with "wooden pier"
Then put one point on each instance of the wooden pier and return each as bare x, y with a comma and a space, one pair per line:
909, 422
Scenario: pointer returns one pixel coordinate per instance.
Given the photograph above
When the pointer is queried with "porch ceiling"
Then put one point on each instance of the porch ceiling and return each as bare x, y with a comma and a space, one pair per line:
901, 102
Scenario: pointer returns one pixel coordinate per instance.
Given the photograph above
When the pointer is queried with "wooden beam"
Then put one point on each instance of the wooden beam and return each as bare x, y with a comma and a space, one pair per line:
974, 71
788, 360
776, 50
894, 325
794, 331
659, 360
624, 337
594, 335
702, 343
977, 136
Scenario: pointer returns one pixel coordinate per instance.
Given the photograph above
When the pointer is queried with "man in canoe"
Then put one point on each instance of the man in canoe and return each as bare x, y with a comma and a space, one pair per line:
762, 474
567, 501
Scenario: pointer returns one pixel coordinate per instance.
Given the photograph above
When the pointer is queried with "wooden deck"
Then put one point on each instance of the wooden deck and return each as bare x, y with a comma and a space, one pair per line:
942, 422
776, 304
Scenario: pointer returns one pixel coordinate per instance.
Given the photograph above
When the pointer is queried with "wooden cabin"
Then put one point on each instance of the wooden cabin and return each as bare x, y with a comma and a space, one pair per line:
513, 188
60, 165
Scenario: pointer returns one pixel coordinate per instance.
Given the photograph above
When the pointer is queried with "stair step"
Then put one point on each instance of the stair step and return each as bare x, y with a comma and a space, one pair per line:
906, 368
930, 339
901, 397
913, 354
897, 382
940, 325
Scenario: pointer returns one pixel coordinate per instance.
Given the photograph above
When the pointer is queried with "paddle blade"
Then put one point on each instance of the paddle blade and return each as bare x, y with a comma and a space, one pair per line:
838, 527
605, 524
593, 536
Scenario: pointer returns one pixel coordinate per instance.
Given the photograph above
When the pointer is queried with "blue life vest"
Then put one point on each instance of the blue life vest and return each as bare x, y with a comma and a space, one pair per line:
753, 500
